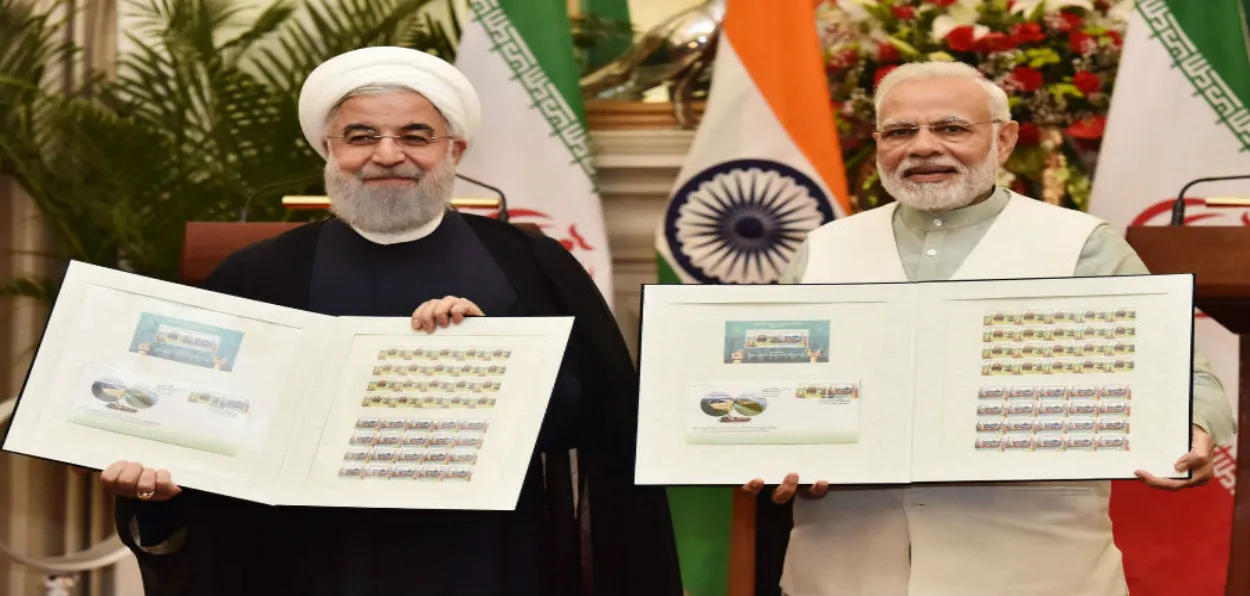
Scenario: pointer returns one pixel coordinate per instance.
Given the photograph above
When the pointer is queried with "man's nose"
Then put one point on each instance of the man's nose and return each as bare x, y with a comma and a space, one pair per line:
388, 153
924, 144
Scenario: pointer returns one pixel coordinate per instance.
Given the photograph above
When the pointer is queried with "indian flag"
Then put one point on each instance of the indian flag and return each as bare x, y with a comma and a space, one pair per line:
1179, 112
534, 144
765, 168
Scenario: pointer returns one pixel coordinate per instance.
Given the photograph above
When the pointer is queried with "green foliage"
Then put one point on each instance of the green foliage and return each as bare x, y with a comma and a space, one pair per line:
195, 122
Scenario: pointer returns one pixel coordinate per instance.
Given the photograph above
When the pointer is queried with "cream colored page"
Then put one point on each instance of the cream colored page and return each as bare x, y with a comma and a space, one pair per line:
1053, 379
446, 420
746, 382
170, 376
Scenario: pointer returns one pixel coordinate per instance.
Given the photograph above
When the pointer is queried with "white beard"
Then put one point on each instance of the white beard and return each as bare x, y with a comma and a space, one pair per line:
933, 197
389, 210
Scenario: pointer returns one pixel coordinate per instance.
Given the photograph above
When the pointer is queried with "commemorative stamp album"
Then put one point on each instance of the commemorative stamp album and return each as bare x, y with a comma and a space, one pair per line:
894, 383
282, 406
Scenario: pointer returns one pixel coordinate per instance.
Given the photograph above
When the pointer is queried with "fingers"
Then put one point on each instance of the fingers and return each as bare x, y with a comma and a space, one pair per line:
131, 479
786, 491
423, 319
108, 478
443, 312
121, 478
128, 480
788, 488
816, 491
146, 484
1153, 481
165, 487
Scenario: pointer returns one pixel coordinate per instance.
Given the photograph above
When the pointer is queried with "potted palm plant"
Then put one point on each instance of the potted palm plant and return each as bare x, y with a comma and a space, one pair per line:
196, 121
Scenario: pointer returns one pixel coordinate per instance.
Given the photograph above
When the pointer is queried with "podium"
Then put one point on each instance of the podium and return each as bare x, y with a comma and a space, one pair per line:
207, 243
1219, 258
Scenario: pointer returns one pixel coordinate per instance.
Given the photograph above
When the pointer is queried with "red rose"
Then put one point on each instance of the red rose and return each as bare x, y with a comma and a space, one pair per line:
995, 42
1088, 129
880, 74
1029, 79
941, 2
1069, 22
1027, 33
886, 52
1087, 82
962, 39
1029, 134
904, 13
1080, 43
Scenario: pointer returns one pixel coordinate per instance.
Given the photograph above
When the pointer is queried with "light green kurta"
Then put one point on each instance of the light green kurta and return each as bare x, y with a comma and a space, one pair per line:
933, 246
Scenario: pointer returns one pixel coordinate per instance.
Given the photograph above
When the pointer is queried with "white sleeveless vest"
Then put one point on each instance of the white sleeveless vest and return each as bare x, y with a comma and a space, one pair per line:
1029, 539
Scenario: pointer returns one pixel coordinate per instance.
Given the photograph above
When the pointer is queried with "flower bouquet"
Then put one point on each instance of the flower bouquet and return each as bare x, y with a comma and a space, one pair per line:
1056, 59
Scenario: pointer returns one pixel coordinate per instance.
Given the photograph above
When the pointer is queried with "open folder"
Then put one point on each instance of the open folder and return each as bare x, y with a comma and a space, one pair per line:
895, 383
287, 407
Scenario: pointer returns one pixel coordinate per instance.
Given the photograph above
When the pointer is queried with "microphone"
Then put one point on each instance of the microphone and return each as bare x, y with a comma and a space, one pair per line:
1178, 207
503, 200
303, 178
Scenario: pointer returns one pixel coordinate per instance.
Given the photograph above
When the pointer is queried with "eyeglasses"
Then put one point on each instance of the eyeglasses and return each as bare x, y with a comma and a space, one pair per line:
947, 132
409, 140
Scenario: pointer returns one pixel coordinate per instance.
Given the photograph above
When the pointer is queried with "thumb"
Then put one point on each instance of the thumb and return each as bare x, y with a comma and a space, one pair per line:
1186, 461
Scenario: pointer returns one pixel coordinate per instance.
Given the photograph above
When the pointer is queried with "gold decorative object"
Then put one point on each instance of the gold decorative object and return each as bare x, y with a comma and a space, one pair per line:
677, 53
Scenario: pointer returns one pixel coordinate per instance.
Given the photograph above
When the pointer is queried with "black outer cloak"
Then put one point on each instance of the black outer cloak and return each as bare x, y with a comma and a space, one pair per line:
631, 550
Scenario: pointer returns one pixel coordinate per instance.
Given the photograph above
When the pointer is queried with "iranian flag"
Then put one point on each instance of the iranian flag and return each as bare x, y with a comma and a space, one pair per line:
1178, 113
765, 168
534, 144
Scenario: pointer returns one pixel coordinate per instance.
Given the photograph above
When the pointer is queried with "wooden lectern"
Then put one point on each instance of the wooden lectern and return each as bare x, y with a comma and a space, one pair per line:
208, 243
1219, 258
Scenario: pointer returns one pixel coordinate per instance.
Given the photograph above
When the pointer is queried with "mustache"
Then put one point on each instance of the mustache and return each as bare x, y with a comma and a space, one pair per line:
406, 170
911, 163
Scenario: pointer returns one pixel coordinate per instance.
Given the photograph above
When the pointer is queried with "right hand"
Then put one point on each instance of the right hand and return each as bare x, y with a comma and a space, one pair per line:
133, 481
788, 488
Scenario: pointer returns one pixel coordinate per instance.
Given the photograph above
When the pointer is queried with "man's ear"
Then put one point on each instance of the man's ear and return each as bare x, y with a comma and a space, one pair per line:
1008, 134
461, 146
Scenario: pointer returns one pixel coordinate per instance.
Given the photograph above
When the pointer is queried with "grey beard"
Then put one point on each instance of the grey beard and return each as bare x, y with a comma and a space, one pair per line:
389, 210
937, 197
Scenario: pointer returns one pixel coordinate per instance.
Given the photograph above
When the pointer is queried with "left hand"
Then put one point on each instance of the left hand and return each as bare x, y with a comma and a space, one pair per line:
1198, 460
443, 312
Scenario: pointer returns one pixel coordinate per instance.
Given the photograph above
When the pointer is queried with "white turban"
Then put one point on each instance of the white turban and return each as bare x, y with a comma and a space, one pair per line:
439, 82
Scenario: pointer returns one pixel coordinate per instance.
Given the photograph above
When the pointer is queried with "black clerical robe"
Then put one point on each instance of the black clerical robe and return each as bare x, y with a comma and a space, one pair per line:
240, 548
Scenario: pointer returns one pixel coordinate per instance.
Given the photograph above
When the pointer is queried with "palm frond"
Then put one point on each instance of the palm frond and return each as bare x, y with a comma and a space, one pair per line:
191, 126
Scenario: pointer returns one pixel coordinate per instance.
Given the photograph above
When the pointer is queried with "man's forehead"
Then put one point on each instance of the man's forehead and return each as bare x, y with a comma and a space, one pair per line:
931, 100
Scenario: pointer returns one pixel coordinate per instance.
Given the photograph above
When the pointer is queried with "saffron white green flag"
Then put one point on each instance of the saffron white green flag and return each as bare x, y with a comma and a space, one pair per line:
534, 144
1179, 112
765, 167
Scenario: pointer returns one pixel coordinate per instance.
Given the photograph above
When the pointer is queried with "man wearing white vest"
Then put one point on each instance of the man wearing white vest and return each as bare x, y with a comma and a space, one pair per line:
943, 132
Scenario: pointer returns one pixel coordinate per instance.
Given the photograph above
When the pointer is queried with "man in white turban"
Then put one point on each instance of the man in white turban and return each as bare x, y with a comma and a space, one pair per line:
392, 123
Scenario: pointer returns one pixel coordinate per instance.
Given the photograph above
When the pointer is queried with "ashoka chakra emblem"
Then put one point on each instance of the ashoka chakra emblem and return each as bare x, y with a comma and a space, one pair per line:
741, 221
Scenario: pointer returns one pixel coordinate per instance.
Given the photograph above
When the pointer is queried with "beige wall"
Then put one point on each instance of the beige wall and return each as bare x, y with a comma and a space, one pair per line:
647, 13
